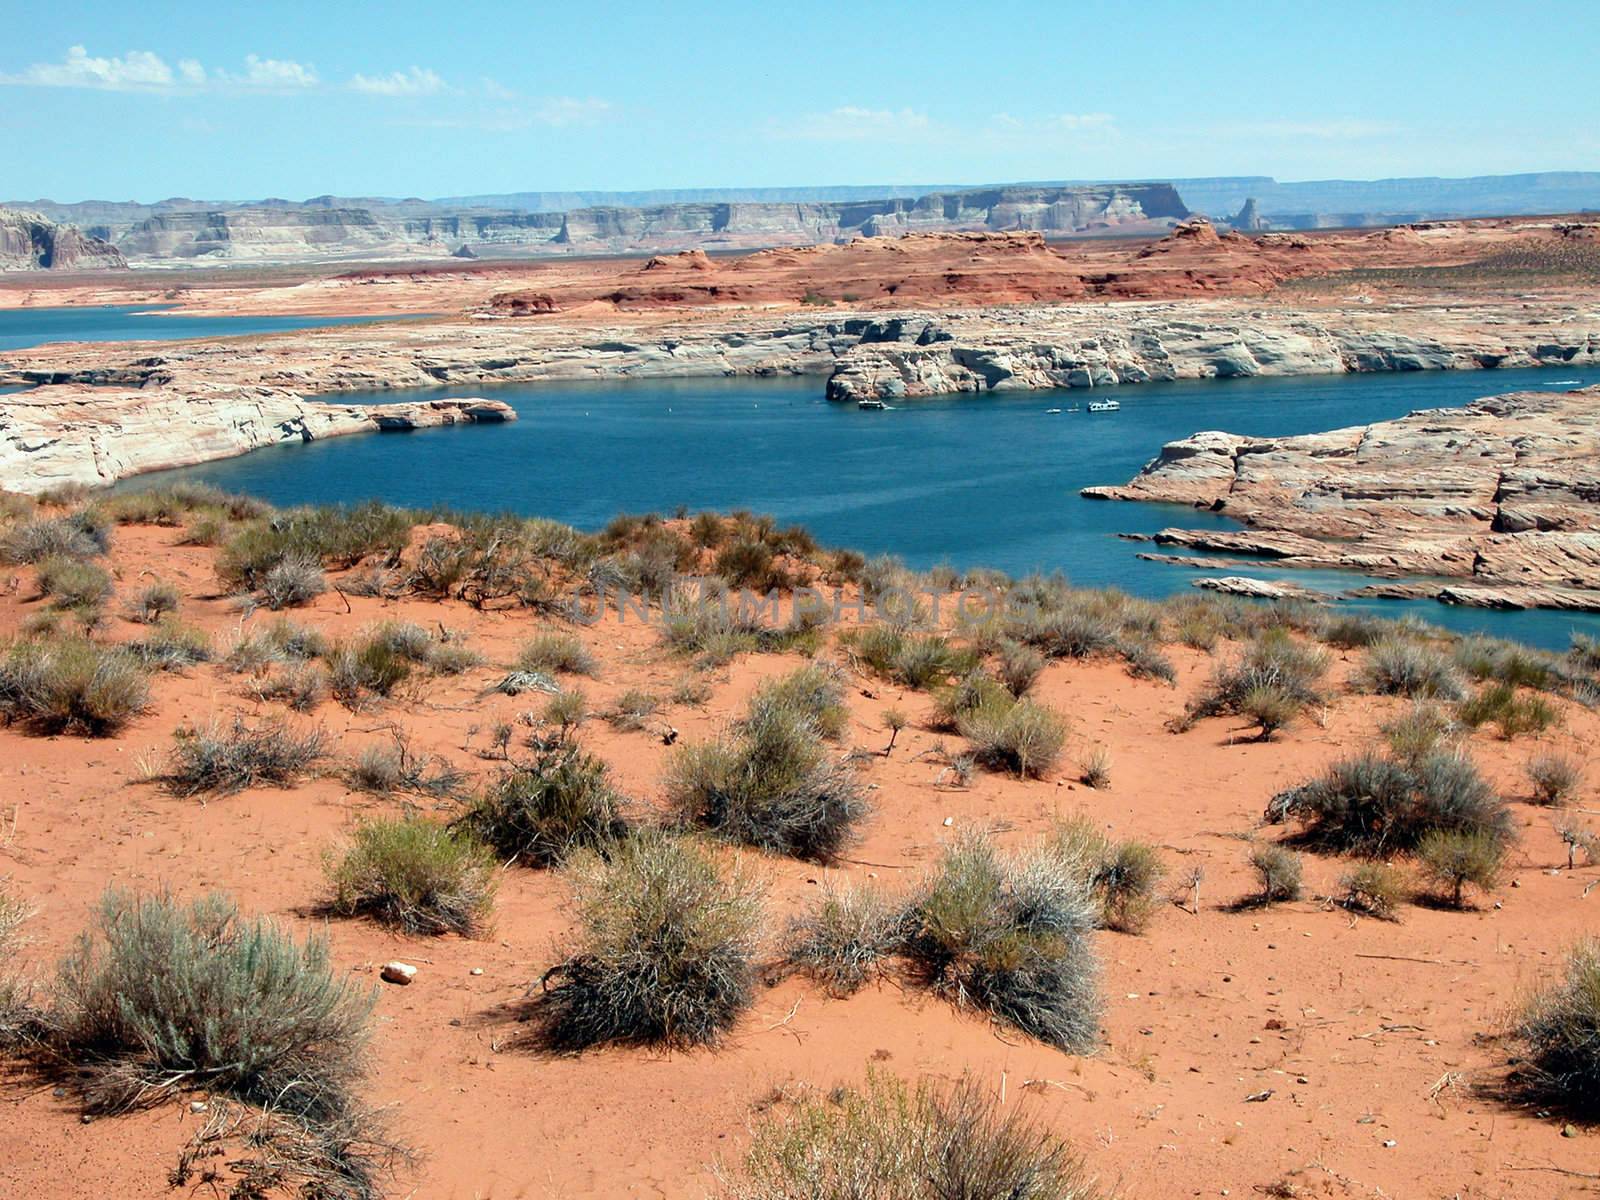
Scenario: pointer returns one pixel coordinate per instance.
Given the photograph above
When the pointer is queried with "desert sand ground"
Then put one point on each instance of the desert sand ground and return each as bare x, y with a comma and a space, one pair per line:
1368, 1036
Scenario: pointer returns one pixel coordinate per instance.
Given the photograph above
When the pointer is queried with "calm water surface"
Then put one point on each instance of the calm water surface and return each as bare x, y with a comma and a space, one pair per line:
24, 327
987, 480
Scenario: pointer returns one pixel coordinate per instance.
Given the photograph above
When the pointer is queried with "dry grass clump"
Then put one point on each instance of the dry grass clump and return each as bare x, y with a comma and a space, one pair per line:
1122, 876
283, 641
159, 998
1398, 666
1015, 735
544, 811
298, 686
172, 646
1095, 769
383, 658
919, 661
666, 949
1278, 871
557, 653
71, 685
384, 770
328, 536
632, 710
1009, 935
1373, 888
1555, 777
152, 602
1374, 805
566, 710
1454, 858
1424, 727
222, 759
1271, 681
770, 783
1019, 667
291, 582
79, 535
888, 1142
843, 940
415, 875
1560, 1033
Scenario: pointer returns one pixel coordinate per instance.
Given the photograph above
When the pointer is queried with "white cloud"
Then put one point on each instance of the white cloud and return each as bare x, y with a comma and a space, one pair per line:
851, 124
418, 81
139, 69
273, 74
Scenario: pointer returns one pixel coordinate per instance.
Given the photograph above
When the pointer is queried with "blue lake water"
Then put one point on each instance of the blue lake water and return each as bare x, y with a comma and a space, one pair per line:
988, 480
24, 327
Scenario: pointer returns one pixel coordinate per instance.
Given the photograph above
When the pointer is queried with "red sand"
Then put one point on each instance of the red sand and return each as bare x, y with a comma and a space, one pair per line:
1352, 1024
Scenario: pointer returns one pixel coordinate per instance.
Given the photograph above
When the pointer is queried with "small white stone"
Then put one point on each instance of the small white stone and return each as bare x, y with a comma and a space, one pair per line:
475, 971
398, 972
949, 821
197, 1106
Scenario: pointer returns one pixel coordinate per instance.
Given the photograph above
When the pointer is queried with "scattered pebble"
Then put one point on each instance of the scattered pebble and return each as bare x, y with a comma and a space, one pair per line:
1258, 1097
1569, 1131
198, 1106
949, 821
475, 971
1389, 1143
398, 972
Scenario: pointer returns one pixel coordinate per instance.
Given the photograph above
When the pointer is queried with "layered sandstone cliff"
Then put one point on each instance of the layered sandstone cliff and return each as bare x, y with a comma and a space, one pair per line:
29, 242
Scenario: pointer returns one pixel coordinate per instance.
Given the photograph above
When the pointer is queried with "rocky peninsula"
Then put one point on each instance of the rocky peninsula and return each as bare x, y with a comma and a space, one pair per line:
1498, 501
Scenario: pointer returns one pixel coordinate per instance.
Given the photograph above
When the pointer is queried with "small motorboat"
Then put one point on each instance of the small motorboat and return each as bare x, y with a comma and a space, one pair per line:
1051, 411
871, 405
1105, 406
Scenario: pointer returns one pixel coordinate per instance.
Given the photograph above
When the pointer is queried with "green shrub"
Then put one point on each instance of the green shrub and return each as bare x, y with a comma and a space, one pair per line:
1396, 666
377, 663
300, 686
159, 997
1019, 736
1010, 936
1278, 871
281, 641
1555, 777
1375, 805
1349, 632
1373, 888
1560, 1033
331, 536
813, 692
71, 583
152, 602
1145, 659
1455, 858
223, 759
1122, 876
922, 661
1020, 667
555, 653
543, 812
771, 785
665, 955
843, 939
1271, 707
71, 685
888, 1143
416, 875
750, 564
1502, 705
1585, 653
1421, 730
566, 709
966, 695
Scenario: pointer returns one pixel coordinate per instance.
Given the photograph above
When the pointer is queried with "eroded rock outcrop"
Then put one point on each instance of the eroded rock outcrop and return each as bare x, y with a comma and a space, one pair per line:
1504, 492
29, 242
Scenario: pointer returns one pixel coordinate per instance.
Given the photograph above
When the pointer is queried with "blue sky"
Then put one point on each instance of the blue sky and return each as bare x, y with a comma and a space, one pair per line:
143, 101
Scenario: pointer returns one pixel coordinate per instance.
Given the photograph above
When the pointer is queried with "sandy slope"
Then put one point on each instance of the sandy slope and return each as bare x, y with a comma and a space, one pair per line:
1350, 1023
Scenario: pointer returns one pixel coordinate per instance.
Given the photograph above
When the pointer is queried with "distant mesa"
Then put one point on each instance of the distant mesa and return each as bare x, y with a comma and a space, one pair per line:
29, 241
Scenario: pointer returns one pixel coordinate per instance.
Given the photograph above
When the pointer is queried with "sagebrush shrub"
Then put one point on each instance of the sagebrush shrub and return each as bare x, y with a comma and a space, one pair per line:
1271, 680
555, 653
1019, 736
1397, 666
770, 784
1560, 1032
843, 939
82, 534
291, 582
416, 875
1009, 935
1454, 858
1278, 871
813, 692
1555, 777
72, 583
542, 812
71, 685
1374, 888
1375, 805
665, 952
152, 602
172, 646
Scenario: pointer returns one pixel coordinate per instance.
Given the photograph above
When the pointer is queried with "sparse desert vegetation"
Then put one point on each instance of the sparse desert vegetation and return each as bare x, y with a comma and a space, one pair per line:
731, 864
